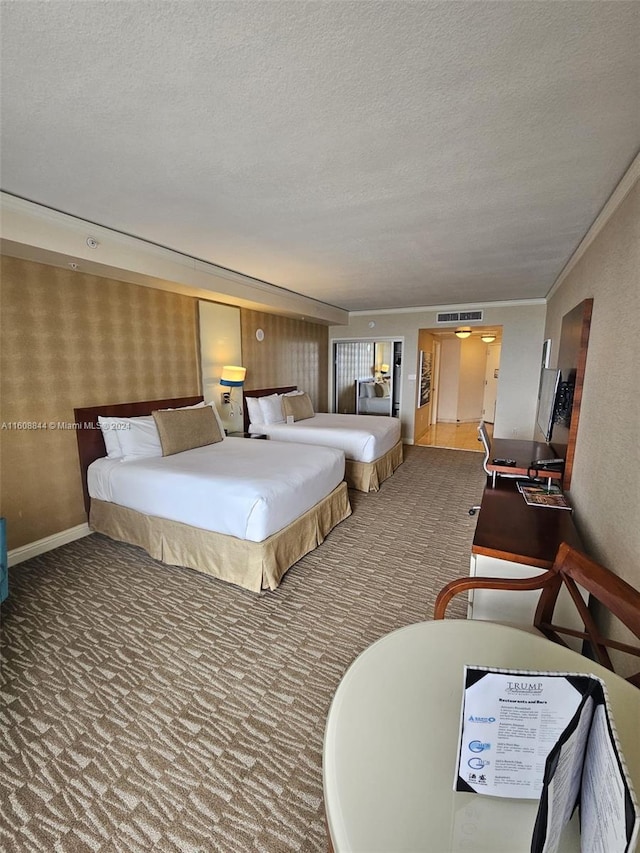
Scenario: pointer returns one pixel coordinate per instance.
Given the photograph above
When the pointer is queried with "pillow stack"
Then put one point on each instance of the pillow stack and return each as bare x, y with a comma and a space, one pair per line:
265, 411
181, 430
140, 438
299, 407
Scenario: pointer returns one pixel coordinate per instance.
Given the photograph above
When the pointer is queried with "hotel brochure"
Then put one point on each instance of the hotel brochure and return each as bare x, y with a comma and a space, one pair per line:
548, 736
549, 496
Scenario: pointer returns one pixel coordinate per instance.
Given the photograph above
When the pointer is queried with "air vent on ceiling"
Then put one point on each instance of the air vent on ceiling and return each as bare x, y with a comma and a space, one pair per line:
458, 316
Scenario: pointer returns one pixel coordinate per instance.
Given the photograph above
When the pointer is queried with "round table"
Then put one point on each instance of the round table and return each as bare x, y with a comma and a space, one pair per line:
391, 741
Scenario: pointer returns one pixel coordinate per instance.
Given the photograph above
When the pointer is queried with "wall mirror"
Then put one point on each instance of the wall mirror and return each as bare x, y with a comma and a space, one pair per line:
366, 377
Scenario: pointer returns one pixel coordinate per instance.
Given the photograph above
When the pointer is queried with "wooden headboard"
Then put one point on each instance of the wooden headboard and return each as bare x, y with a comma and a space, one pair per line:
262, 392
89, 435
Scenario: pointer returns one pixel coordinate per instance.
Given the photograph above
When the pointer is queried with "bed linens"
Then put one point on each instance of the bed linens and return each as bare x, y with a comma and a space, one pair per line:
245, 489
362, 438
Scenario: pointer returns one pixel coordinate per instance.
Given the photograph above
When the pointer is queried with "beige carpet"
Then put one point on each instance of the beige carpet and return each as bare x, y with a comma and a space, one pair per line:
153, 708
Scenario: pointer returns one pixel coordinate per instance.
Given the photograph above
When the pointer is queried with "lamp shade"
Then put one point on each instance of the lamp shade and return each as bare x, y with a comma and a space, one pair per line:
384, 368
233, 376
463, 332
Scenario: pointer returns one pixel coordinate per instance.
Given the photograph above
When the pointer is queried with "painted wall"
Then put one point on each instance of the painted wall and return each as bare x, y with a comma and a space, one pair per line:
473, 362
69, 340
449, 380
523, 335
605, 487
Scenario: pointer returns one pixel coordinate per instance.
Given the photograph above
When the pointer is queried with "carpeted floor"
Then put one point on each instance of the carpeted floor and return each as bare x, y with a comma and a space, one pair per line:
147, 707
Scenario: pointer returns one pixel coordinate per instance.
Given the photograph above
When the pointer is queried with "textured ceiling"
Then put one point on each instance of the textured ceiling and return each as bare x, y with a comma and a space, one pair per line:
366, 154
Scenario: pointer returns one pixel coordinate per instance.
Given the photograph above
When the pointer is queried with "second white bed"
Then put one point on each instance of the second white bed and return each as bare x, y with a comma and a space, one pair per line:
362, 438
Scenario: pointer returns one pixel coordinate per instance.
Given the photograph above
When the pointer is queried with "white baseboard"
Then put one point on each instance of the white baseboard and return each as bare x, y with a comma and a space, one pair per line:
40, 546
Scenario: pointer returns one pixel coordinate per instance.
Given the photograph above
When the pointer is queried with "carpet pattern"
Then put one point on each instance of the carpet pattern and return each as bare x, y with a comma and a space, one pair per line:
147, 707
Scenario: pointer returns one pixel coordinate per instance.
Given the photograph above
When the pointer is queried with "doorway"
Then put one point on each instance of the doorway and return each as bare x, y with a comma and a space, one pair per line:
465, 388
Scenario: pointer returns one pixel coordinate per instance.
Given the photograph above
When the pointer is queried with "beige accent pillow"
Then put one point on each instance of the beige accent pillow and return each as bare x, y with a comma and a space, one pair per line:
381, 389
184, 429
300, 406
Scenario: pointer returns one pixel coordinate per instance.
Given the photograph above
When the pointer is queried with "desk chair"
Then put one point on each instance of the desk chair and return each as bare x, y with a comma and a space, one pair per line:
483, 436
571, 568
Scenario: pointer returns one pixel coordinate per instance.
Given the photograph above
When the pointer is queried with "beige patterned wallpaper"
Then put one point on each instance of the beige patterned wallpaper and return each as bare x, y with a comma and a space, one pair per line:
68, 340
293, 352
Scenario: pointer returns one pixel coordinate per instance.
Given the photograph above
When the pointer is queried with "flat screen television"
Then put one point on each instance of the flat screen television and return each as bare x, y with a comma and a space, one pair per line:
549, 381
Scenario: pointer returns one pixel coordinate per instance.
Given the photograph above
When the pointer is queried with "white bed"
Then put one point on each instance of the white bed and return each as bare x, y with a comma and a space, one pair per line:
243, 511
373, 398
246, 489
372, 445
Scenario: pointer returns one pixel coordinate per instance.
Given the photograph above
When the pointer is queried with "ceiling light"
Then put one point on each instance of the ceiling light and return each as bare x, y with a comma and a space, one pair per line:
488, 339
463, 332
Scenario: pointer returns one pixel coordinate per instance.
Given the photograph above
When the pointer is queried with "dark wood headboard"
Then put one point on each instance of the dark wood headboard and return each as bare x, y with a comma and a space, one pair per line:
262, 392
89, 435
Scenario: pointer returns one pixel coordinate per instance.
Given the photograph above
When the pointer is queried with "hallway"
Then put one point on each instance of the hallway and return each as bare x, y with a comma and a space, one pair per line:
454, 436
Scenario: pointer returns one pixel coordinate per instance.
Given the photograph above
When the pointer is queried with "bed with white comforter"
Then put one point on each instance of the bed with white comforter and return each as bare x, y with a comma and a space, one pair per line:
372, 445
241, 510
363, 438
246, 489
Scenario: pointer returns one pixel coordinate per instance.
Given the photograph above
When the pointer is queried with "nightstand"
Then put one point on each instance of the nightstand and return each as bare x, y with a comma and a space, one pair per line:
245, 435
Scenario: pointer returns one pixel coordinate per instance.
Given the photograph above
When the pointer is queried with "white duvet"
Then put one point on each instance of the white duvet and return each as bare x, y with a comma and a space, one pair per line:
244, 488
362, 438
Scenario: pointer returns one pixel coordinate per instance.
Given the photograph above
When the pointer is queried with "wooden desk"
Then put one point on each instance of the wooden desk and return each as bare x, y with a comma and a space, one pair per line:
510, 529
524, 452
391, 741
515, 540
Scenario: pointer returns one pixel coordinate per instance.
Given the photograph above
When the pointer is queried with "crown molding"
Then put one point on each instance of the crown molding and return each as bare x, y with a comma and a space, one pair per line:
622, 190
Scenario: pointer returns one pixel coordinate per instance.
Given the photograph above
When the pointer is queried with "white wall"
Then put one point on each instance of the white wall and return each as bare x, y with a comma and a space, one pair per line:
449, 380
523, 336
605, 485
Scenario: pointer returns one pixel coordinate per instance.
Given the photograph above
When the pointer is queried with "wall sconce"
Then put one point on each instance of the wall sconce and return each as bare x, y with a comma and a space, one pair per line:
463, 332
488, 339
232, 377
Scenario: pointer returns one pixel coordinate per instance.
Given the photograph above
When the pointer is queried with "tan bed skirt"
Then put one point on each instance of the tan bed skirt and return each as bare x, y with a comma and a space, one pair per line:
367, 476
252, 565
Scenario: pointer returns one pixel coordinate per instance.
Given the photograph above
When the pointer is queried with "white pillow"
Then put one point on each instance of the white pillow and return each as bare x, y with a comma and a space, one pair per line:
293, 393
223, 432
254, 410
271, 408
110, 428
141, 439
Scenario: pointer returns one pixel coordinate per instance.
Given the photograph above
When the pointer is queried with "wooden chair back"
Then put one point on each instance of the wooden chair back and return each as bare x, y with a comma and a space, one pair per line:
571, 569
